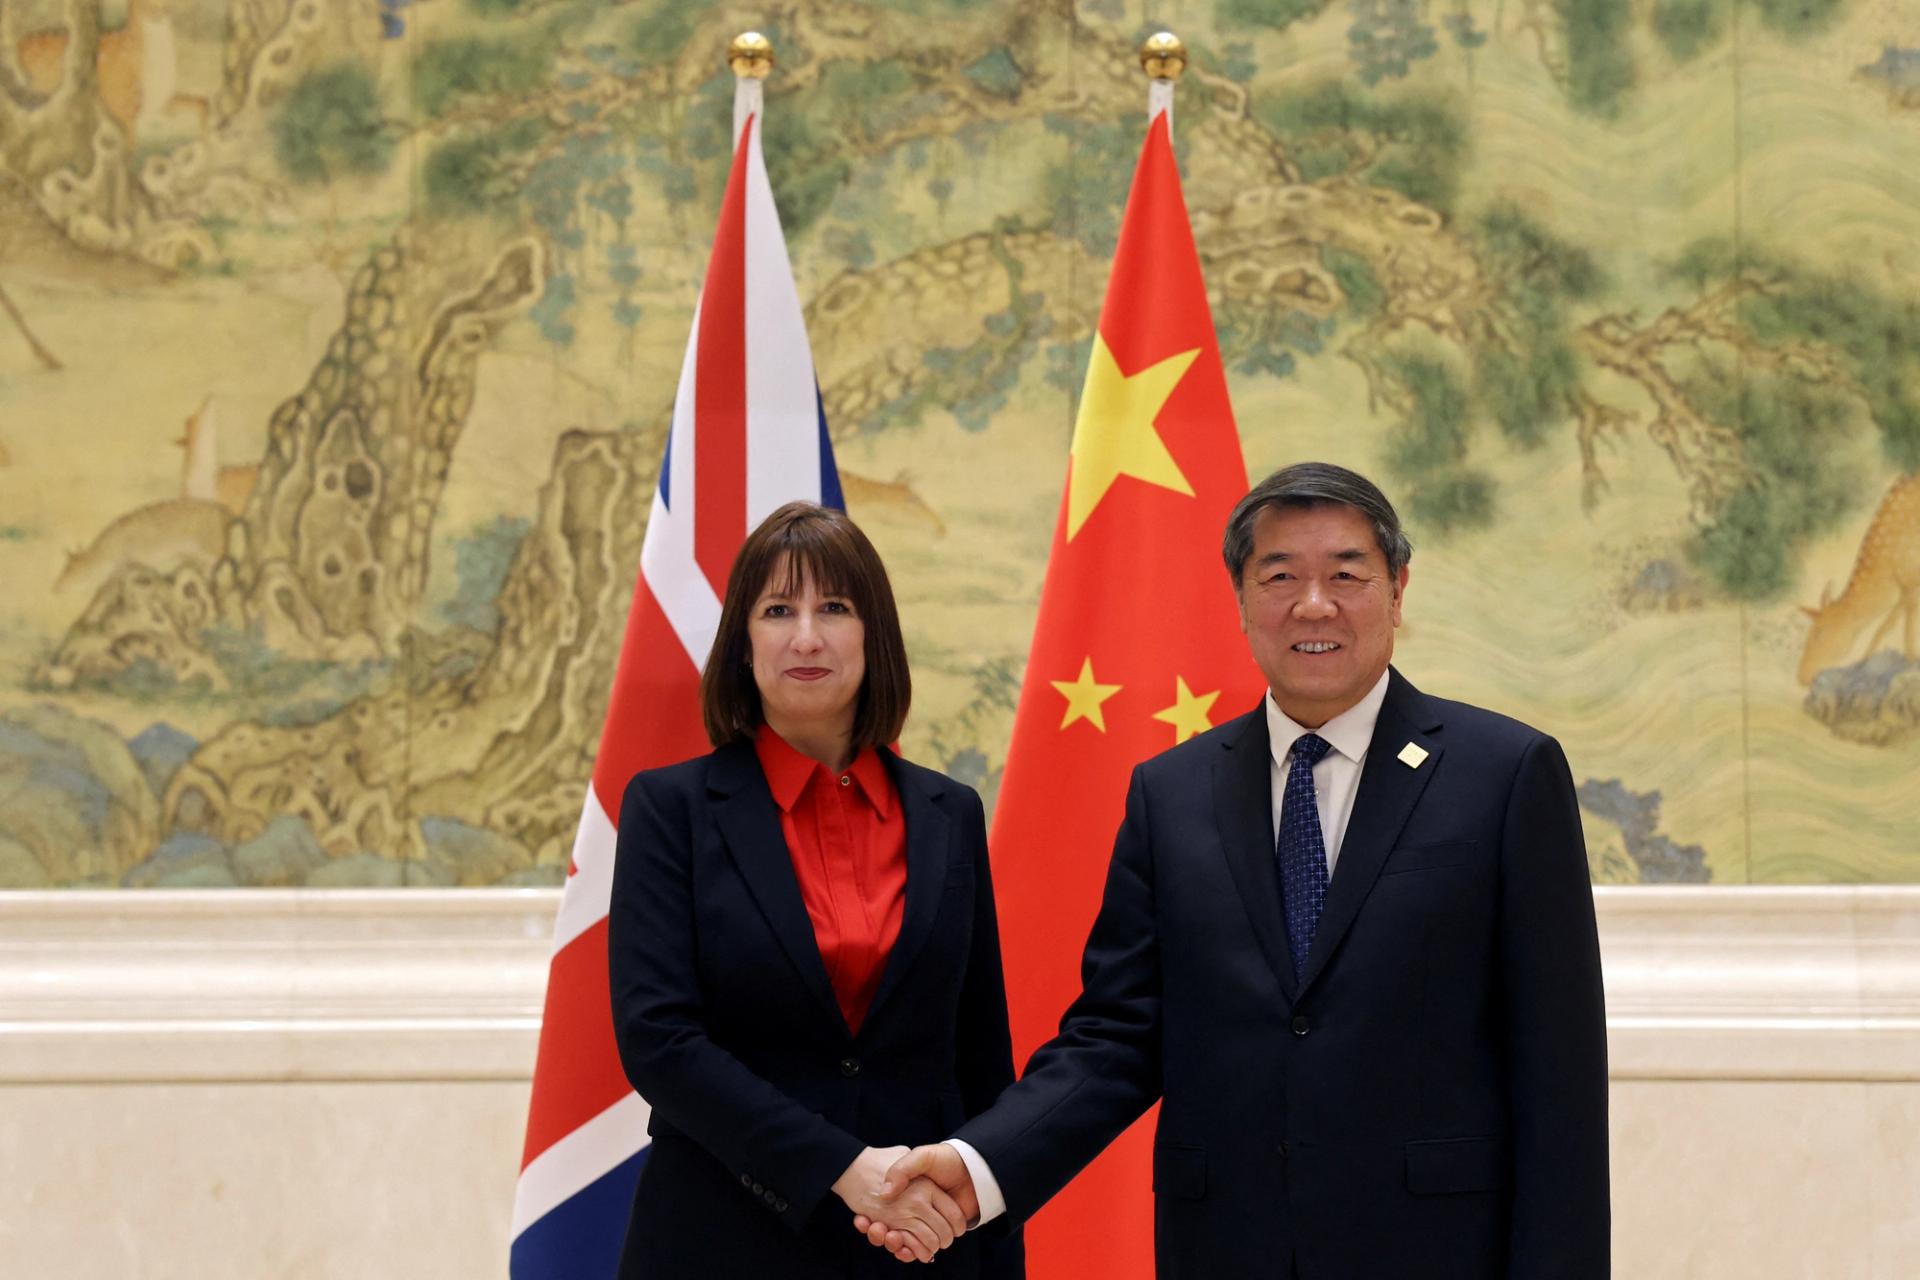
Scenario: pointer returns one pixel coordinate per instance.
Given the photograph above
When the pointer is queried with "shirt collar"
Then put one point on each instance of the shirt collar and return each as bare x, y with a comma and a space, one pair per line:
1349, 733
788, 772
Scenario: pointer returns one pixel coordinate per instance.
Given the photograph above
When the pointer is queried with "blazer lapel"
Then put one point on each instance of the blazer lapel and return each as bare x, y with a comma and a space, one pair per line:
1389, 789
750, 824
929, 839
1243, 805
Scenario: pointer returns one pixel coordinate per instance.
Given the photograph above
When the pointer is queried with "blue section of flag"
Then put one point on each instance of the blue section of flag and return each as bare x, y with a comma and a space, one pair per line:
666, 471
830, 495
580, 1236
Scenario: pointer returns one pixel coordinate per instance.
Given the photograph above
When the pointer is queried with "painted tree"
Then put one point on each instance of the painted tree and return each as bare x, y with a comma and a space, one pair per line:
61, 146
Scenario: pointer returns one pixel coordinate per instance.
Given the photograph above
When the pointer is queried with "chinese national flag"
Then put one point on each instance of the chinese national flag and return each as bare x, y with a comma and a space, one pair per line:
1137, 648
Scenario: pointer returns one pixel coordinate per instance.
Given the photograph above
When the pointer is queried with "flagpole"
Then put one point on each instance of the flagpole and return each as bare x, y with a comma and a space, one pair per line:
751, 57
1163, 57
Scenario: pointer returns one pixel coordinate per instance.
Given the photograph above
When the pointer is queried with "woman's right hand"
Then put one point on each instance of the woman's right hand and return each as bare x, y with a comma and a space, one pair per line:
929, 1216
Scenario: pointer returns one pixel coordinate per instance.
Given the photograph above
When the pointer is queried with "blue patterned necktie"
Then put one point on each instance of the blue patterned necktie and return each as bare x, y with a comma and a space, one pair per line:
1302, 850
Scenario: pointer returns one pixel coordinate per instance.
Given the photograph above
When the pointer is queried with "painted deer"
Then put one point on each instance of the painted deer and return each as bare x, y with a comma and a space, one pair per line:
894, 497
1884, 588
162, 536
202, 476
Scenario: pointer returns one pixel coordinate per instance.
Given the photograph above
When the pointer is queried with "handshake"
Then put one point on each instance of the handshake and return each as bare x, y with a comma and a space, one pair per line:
912, 1203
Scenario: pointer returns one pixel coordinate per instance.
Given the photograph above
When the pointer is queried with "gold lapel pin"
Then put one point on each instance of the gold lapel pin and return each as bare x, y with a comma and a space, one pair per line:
1413, 755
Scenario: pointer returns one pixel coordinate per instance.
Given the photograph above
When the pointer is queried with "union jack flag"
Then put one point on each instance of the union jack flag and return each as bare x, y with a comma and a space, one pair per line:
749, 434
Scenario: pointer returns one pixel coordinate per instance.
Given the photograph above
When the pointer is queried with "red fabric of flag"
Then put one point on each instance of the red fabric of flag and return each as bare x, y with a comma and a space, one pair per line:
1137, 647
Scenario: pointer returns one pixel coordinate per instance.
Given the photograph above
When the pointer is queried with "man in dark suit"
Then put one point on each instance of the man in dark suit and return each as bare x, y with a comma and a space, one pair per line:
1348, 941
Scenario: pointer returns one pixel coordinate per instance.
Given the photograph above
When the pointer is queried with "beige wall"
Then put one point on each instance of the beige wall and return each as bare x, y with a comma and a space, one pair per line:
303, 1085
1713, 1180
1766, 1179
287, 1180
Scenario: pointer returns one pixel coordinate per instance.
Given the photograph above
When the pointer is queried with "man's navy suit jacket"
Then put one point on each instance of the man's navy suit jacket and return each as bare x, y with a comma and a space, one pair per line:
727, 1024
1428, 1098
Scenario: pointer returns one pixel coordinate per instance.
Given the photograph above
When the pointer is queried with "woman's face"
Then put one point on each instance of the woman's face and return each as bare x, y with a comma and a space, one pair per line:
809, 657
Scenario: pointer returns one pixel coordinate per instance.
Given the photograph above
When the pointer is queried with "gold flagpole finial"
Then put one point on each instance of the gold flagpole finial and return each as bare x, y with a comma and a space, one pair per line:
1163, 56
750, 55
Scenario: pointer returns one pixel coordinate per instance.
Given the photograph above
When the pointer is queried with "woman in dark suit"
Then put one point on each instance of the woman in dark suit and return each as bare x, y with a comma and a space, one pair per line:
805, 959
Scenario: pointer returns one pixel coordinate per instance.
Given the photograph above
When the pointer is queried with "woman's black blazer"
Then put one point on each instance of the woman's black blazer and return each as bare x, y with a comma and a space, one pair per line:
727, 1025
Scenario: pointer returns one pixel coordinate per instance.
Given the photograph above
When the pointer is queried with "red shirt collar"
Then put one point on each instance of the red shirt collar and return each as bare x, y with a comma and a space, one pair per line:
788, 772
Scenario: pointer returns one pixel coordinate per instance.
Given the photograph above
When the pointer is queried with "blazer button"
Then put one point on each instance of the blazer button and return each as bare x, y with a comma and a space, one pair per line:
1300, 1024
849, 1067
779, 1206
746, 1180
758, 1189
771, 1198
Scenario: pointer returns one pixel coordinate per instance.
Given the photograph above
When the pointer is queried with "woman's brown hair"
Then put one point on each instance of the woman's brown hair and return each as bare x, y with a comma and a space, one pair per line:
822, 545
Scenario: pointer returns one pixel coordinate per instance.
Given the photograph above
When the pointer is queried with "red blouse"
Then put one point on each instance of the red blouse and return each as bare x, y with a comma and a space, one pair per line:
848, 841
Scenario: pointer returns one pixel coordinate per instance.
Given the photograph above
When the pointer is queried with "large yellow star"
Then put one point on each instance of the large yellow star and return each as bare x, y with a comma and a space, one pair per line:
1084, 697
1114, 435
1188, 714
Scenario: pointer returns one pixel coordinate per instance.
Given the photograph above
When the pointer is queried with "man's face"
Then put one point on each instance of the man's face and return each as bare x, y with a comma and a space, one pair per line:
1318, 607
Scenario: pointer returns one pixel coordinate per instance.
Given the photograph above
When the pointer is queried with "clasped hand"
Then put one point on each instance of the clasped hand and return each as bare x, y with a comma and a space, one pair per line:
927, 1179
908, 1213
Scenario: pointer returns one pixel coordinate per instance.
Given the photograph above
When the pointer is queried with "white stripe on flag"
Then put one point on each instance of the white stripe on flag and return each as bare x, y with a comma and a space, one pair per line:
783, 418
583, 902
666, 555
666, 562
578, 1159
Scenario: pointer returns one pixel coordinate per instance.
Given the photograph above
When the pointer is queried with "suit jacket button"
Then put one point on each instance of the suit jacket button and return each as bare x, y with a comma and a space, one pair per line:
779, 1206
849, 1067
746, 1180
1300, 1024
771, 1198
758, 1189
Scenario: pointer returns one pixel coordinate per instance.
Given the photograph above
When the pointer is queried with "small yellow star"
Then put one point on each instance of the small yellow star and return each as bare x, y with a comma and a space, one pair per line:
1188, 714
1084, 697
1113, 435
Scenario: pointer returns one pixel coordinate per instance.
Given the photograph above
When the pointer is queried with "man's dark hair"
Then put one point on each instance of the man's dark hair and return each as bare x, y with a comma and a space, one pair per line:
806, 542
1315, 484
